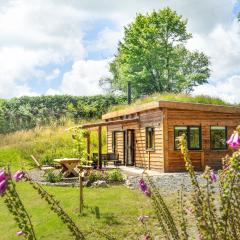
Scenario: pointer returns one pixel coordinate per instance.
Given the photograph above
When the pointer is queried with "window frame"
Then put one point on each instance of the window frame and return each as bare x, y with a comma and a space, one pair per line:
188, 137
146, 139
226, 135
114, 141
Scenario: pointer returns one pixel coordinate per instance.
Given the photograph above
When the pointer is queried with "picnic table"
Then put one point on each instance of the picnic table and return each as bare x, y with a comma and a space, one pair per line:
68, 166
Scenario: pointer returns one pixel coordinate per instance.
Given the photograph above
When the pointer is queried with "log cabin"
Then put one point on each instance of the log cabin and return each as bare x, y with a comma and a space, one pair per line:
145, 136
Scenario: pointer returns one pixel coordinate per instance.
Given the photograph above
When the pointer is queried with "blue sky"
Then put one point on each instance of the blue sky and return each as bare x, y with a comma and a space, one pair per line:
64, 47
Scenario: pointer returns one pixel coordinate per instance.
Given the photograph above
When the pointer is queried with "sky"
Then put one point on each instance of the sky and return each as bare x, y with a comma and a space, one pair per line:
52, 47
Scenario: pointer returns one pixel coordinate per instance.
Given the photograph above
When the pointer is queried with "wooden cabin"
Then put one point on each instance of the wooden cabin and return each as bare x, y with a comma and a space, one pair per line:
145, 136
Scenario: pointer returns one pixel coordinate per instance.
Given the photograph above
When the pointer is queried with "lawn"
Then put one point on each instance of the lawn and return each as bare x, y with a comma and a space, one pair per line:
112, 210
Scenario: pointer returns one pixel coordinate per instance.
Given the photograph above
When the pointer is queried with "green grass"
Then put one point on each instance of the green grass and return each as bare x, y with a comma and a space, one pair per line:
118, 209
174, 97
45, 143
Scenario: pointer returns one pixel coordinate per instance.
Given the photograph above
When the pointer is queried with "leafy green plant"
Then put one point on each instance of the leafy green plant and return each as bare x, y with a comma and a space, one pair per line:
114, 175
15, 205
216, 213
53, 177
95, 176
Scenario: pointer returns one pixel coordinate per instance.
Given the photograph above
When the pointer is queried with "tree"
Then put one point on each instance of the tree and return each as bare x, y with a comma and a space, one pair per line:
153, 56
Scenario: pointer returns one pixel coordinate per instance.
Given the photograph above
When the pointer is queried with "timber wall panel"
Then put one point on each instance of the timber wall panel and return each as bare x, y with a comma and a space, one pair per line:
152, 159
206, 156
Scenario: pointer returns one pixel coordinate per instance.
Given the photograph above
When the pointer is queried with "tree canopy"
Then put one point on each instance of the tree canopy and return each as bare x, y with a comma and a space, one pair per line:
28, 112
153, 56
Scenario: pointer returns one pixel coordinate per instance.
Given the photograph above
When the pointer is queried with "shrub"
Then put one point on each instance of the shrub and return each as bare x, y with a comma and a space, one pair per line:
95, 176
114, 176
53, 178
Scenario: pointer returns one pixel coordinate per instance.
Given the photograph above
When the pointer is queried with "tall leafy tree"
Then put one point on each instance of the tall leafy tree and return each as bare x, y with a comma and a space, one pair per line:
153, 56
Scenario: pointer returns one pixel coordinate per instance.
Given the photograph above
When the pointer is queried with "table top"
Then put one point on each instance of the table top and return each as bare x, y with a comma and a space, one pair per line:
66, 160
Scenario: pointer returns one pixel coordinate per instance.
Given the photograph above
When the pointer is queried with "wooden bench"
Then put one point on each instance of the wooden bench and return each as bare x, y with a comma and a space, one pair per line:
107, 158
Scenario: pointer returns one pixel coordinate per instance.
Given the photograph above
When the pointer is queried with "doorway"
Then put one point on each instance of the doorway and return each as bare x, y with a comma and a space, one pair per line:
129, 147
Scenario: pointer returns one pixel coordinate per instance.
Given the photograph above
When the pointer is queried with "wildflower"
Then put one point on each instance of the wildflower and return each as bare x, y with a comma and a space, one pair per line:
189, 210
142, 185
3, 186
147, 237
213, 176
200, 237
2, 175
144, 188
18, 175
142, 218
234, 140
20, 233
148, 193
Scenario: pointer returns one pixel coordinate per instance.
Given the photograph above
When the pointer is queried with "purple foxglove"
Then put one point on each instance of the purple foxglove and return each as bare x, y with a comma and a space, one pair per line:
20, 233
148, 193
2, 175
3, 186
213, 176
18, 175
234, 140
142, 185
147, 237
229, 141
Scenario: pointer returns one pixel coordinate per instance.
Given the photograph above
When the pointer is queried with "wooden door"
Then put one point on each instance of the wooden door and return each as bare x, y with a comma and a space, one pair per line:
129, 147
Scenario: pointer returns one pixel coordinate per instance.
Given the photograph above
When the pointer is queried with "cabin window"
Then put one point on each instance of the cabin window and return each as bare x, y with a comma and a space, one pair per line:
218, 137
150, 135
193, 136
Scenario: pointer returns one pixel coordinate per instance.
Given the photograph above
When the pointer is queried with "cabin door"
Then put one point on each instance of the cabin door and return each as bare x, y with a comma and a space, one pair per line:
129, 147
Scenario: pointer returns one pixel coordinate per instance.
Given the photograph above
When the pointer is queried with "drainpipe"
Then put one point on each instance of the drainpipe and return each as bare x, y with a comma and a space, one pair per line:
129, 92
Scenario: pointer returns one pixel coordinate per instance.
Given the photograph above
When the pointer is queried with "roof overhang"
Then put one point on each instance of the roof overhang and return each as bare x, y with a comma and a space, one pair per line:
108, 123
173, 105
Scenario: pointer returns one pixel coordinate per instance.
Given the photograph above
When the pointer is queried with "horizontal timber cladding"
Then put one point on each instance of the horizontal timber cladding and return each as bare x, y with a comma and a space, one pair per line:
205, 156
150, 159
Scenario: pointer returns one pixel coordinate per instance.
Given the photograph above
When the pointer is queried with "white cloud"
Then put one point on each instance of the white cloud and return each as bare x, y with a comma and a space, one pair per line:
106, 40
222, 45
54, 74
36, 33
228, 89
83, 78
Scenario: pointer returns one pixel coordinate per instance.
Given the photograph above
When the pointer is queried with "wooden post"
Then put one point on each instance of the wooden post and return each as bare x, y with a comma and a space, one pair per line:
202, 161
80, 191
149, 160
99, 147
88, 146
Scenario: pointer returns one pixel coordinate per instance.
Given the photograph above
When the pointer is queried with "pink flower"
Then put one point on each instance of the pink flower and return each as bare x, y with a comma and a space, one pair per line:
3, 186
142, 218
18, 175
234, 140
142, 185
20, 233
144, 188
148, 193
213, 176
2, 175
147, 237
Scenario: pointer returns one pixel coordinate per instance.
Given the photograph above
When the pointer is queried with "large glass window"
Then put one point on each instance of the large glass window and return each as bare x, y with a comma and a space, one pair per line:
193, 136
150, 135
179, 131
218, 137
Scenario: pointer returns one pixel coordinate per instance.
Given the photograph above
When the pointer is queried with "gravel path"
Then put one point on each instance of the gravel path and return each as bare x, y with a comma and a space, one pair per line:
166, 181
